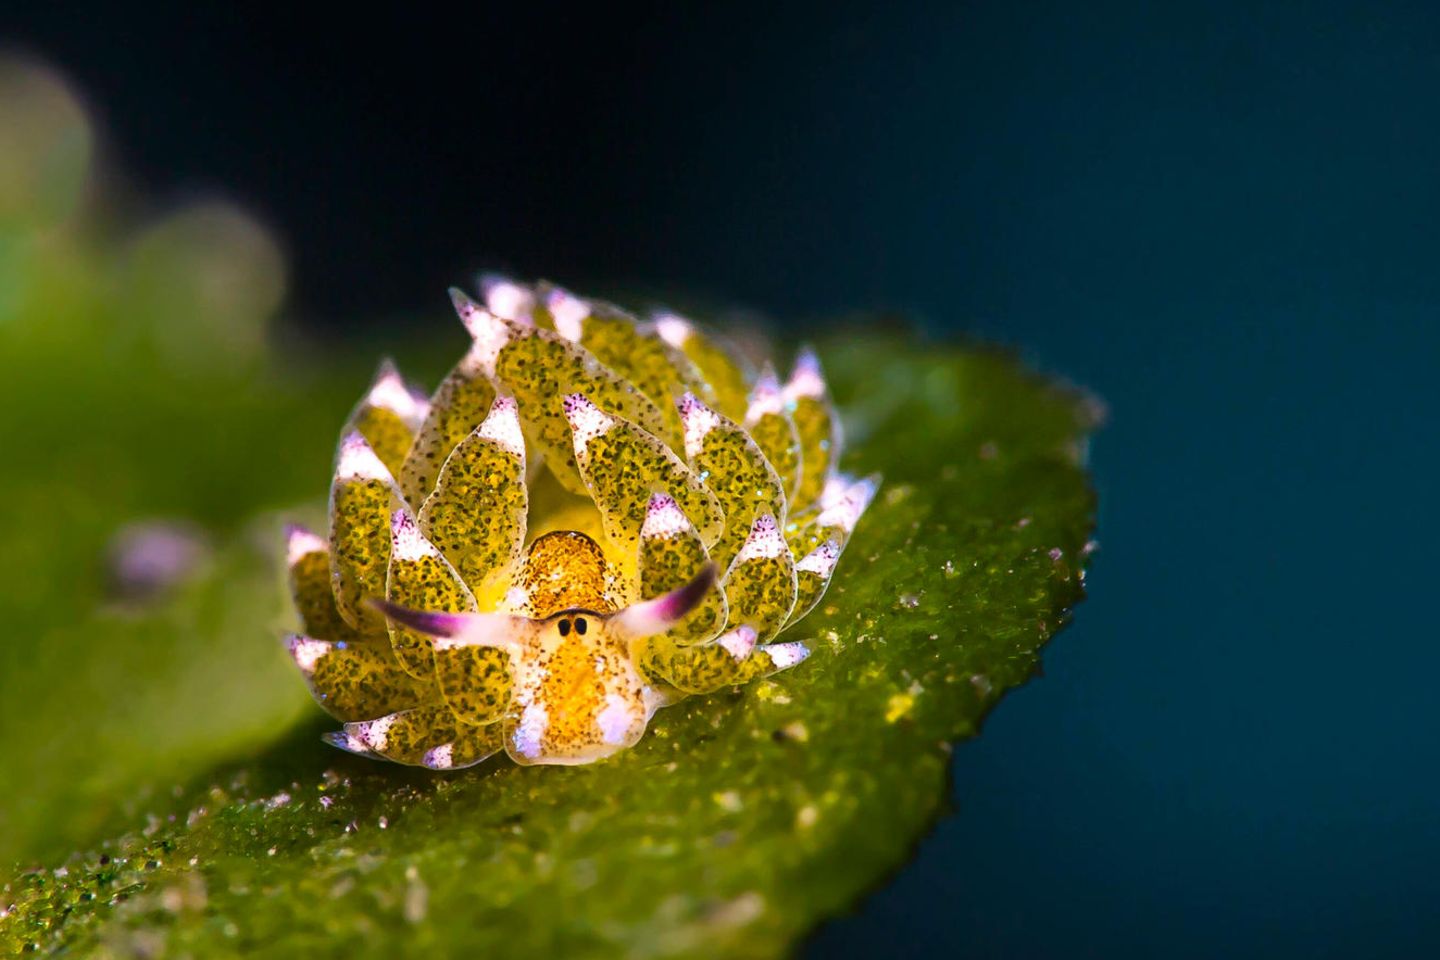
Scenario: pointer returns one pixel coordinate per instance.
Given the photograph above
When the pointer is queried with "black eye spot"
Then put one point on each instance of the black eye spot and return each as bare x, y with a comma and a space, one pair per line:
580, 625
565, 628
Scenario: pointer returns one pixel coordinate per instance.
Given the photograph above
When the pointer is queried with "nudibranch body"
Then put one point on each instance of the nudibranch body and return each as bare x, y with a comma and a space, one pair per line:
590, 518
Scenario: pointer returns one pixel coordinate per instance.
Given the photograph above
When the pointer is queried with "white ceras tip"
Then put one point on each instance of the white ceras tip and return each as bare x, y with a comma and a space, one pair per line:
306, 651
301, 542
488, 333
569, 313
390, 392
441, 757
506, 298
353, 744
375, 734
784, 655
699, 420
664, 519
358, 460
406, 540
587, 421
469, 311
739, 643
766, 397
673, 329
764, 542
820, 561
834, 490
806, 380
845, 512
502, 425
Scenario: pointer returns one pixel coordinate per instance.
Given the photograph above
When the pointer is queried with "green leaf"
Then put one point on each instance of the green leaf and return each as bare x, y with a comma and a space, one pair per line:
215, 824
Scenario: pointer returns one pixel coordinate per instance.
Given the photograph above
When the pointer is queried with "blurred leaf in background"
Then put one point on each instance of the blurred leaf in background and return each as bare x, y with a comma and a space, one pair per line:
166, 793
136, 387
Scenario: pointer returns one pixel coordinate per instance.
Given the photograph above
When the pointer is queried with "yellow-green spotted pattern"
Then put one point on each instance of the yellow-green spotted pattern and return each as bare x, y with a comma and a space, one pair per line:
387, 433
388, 416
458, 406
812, 576
311, 589
760, 585
476, 515
658, 370
716, 363
834, 517
767, 660
819, 429
773, 430
697, 669
420, 578
623, 465
360, 503
814, 424
470, 746
540, 368
671, 555
356, 680
407, 735
810, 534
474, 680
735, 470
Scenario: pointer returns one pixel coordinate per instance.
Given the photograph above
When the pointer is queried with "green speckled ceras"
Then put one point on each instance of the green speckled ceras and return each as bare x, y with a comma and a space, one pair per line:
468, 601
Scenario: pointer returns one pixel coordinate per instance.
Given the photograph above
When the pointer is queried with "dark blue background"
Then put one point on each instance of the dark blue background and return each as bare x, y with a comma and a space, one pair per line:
1223, 218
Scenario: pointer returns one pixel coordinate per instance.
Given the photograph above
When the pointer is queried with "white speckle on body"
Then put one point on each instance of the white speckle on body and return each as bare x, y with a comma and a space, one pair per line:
307, 652
616, 719
739, 643
375, 733
440, 758
530, 731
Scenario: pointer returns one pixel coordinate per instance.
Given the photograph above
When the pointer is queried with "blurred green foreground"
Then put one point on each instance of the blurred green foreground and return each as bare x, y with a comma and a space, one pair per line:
138, 386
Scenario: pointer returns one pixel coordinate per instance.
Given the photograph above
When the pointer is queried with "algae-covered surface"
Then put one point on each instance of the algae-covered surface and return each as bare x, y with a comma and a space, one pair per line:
165, 789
